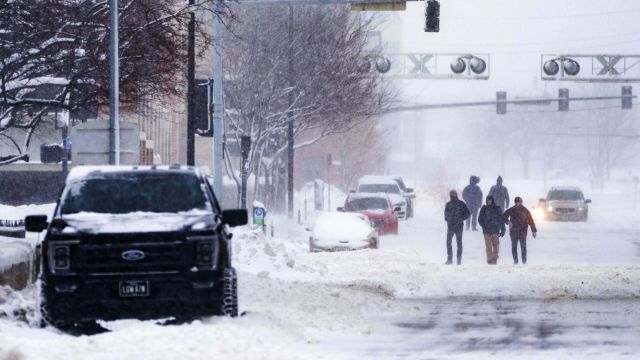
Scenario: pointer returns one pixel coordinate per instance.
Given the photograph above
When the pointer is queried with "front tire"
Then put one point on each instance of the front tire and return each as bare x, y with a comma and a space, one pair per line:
230, 293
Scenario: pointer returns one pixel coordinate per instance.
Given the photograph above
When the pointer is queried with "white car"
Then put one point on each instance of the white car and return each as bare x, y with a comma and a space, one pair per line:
385, 184
340, 231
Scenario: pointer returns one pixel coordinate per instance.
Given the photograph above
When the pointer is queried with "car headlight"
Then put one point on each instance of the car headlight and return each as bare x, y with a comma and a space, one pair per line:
550, 208
580, 209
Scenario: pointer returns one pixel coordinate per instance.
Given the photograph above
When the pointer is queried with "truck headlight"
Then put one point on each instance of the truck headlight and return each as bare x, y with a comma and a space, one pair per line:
550, 208
60, 257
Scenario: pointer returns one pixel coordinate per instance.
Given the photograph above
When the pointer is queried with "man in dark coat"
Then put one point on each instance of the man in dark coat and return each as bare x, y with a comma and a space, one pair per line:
490, 219
520, 219
455, 213
472, 196
500, 194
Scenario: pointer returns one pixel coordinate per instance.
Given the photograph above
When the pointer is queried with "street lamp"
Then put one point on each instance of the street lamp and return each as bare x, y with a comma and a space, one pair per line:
476, 65
458, 66
569, 66
383, 65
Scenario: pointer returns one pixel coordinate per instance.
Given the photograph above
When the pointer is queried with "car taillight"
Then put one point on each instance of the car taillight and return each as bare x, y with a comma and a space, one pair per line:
60, 258
204, 253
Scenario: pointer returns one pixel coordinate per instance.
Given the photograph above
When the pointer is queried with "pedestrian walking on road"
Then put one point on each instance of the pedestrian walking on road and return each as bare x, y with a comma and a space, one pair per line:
455, 213
500, 194
492, 224
520, 219
472, 196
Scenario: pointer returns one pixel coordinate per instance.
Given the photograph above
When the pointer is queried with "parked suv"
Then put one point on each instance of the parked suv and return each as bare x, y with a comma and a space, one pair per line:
136, 242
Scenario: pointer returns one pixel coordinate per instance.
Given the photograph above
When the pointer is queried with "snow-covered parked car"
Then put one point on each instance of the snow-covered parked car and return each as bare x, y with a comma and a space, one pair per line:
388, 185
342, 231
565, 204
136, 242
377, 207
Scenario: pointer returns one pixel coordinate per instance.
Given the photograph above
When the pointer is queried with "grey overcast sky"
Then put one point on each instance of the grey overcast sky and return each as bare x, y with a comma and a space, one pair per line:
515, 33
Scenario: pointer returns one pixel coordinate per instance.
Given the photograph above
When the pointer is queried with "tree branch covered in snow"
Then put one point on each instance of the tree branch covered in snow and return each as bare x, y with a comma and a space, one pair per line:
54, 54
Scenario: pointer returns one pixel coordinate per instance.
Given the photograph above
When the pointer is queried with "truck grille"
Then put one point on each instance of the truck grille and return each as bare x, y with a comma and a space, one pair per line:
166, 256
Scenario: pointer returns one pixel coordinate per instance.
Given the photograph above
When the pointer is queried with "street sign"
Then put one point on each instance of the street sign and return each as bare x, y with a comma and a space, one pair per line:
593, 68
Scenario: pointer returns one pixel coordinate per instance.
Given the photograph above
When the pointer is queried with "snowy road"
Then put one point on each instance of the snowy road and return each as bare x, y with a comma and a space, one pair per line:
577, 297
503, 329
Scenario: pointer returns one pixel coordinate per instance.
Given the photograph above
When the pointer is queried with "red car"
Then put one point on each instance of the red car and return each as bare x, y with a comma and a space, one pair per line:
377, 207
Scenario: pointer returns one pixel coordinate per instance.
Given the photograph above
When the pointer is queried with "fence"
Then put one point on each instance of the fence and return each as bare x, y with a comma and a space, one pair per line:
19, 262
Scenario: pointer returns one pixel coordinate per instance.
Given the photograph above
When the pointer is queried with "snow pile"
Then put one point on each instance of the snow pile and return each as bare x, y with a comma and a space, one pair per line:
19, 306
406, 276
13, 251
262, 255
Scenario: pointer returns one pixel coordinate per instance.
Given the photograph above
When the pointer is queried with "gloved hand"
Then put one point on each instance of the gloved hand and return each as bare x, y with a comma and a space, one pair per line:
534, 234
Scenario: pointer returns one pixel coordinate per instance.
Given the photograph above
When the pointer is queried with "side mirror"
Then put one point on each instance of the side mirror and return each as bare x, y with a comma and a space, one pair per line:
340, 209
35, 223
588, 201
235, 217
398, 209
307, 229
409, 190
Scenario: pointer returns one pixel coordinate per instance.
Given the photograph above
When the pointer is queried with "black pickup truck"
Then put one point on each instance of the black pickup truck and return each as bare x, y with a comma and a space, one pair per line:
136, 242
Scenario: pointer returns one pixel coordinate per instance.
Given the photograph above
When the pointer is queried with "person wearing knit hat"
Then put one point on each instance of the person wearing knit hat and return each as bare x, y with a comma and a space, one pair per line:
455, 213
520, 219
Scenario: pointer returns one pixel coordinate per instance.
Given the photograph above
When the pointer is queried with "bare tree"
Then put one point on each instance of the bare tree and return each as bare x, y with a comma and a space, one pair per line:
54, 56
309, 76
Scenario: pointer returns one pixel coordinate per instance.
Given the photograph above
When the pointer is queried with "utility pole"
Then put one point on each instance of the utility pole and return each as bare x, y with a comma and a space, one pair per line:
245, 148
290, 138
114, 86
191, 79
218, 108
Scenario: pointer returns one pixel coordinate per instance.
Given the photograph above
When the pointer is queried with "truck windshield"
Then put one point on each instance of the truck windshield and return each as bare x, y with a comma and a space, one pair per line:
122, 194
565, 195
368, 204
374, 188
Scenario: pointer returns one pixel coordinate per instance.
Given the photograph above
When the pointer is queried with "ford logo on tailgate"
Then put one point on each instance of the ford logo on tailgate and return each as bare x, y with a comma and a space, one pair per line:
133, 255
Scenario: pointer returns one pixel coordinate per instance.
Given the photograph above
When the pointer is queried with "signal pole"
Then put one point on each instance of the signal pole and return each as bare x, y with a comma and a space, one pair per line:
114, 86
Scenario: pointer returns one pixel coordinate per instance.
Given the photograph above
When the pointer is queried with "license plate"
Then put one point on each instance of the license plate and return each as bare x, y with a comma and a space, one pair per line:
341, 248
134, 288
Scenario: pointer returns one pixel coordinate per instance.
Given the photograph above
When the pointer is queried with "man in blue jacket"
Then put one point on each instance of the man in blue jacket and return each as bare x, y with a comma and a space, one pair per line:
455, 213
472, 196
493, 228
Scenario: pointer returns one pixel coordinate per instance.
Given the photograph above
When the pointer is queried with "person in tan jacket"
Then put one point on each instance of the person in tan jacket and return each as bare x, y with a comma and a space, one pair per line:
493, 228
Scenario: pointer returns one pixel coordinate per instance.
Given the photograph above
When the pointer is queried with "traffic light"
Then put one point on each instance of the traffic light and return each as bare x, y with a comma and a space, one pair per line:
563, 102
433, 16
501, 105
627, 97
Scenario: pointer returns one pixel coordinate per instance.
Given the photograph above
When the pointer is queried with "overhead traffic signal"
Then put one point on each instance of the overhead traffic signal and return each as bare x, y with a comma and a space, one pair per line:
563, 102
627, 97
501, 105
433, 16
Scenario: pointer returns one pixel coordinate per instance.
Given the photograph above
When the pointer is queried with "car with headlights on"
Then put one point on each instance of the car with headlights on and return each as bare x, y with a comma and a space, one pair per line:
565, 204
389, 186
377, 208
342, 231
136, 242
